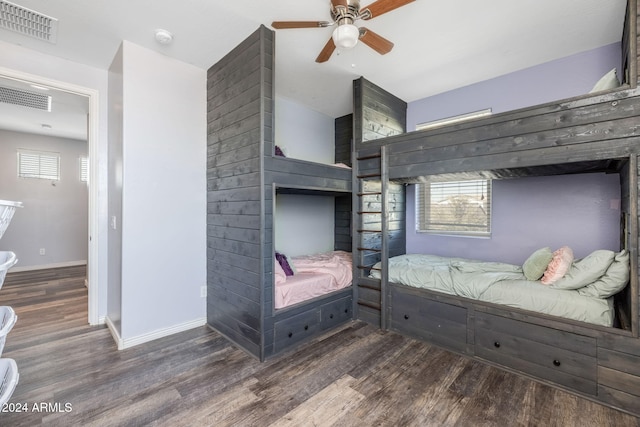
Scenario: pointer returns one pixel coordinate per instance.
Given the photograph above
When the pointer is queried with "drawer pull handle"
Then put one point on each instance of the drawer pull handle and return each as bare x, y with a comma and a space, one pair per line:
290, 334
496, 344
556, 362
406, 317
331, 316
306, 327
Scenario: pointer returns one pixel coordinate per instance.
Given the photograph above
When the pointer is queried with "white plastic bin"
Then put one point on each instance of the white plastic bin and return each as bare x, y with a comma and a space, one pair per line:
7, 260
8, 318
9, 379
7, 209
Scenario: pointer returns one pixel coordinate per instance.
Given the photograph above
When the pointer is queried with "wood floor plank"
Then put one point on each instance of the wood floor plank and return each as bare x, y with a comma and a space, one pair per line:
355, 375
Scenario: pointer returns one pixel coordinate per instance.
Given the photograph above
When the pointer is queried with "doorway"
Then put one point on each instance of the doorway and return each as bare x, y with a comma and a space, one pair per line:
78, 101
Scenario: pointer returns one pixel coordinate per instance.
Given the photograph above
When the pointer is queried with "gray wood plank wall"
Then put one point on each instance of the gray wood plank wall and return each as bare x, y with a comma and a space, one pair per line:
237, 129
377, 114
343, 135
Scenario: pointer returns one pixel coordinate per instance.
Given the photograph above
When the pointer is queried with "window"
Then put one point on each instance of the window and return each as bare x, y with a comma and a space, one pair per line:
454, 207
38, 164
84, 169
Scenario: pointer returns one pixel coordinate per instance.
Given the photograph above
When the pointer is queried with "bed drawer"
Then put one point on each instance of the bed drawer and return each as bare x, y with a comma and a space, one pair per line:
336, 312
296, 328
561, 357
437, 322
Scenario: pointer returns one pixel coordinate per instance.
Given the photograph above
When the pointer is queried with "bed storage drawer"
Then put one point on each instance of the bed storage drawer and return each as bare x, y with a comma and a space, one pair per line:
296, 328
336, 312
437, 322
561, 357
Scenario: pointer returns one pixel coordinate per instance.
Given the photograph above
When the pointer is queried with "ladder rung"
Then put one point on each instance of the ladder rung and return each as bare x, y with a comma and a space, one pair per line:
370, 250
369, 194
369, 304
369, 175
366, 286
363, 267
370, 212
370, 156
369, 231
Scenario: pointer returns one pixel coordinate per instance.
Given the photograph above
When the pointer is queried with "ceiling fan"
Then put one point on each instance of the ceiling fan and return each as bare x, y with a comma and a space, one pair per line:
346, 35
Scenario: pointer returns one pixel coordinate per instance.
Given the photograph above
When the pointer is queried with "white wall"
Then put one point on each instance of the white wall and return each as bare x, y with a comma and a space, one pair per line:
163, 193
304, 225
55, 213
22, 60
303, 133
114, 301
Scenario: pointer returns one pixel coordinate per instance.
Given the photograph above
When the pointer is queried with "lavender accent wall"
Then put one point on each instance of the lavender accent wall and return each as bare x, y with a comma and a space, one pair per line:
580, 211
563, 78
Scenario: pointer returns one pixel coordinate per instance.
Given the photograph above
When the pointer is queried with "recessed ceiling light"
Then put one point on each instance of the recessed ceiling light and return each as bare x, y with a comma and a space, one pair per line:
163, 36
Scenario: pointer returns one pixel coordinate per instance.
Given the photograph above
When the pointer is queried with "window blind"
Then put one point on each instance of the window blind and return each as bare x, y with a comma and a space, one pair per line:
457, 207
38, 164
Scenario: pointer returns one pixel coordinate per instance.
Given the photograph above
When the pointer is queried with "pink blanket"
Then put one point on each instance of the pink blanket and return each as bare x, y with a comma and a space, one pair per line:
335, 263
316, 275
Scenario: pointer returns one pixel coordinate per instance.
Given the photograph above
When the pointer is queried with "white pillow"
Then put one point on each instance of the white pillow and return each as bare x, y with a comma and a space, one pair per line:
608, 81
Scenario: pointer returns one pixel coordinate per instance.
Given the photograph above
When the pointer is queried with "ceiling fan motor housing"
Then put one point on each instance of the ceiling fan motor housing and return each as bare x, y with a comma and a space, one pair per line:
346, 15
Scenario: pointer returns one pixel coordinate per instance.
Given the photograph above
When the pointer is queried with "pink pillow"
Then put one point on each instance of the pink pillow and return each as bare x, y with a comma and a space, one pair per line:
279, 273
559, 265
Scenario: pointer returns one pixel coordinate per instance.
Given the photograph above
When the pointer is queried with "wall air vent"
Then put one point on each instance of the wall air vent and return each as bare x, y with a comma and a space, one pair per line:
28, 22
25, 99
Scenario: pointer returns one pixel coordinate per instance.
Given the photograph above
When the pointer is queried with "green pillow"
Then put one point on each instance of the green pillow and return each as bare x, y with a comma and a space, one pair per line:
613, 281
586, 271
534, 267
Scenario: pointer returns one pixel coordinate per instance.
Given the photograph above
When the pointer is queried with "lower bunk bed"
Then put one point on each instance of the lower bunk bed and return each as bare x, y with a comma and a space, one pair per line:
312, 294
306, 277
494, 313
582, 290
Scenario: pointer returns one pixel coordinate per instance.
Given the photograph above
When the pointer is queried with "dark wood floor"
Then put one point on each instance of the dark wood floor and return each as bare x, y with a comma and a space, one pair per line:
355, 376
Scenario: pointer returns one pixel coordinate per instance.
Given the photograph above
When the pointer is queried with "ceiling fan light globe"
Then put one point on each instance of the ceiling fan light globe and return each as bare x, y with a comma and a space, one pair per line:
346, 36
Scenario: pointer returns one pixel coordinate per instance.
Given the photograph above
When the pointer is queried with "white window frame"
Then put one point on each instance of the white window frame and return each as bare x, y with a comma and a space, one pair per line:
479, 193
38, 164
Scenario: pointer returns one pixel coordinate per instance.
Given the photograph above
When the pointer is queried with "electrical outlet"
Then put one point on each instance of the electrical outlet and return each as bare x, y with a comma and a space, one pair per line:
203, 291
42, 251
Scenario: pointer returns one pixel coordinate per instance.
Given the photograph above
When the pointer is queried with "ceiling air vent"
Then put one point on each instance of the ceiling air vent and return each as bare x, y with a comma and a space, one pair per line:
28, 22
25, 99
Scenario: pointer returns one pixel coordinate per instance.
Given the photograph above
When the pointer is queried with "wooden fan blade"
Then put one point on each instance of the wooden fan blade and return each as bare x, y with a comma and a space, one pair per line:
381, 6
375, 41
326, 51
337, 3
283, 25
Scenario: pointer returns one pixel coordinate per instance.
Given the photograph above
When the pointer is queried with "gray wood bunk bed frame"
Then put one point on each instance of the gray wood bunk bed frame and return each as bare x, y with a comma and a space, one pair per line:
243, 178
591, 133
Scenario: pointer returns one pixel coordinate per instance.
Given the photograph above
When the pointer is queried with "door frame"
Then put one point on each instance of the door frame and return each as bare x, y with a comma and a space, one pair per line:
93, 282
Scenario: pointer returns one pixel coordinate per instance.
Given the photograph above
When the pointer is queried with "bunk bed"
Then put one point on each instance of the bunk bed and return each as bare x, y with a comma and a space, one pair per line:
595, 133
584, 293
244, 176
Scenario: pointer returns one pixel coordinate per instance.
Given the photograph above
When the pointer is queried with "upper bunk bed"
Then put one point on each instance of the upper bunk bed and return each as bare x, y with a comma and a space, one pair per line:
595, 132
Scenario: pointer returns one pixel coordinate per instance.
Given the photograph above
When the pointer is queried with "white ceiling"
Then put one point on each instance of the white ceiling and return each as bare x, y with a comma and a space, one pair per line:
439, 45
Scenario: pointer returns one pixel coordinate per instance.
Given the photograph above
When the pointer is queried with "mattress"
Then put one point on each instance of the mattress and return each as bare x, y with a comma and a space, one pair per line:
497, 283
315, 275
302, 287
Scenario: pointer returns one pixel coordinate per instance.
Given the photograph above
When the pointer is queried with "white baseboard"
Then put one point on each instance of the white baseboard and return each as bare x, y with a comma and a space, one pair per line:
46, 266
160, 333
114, 333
